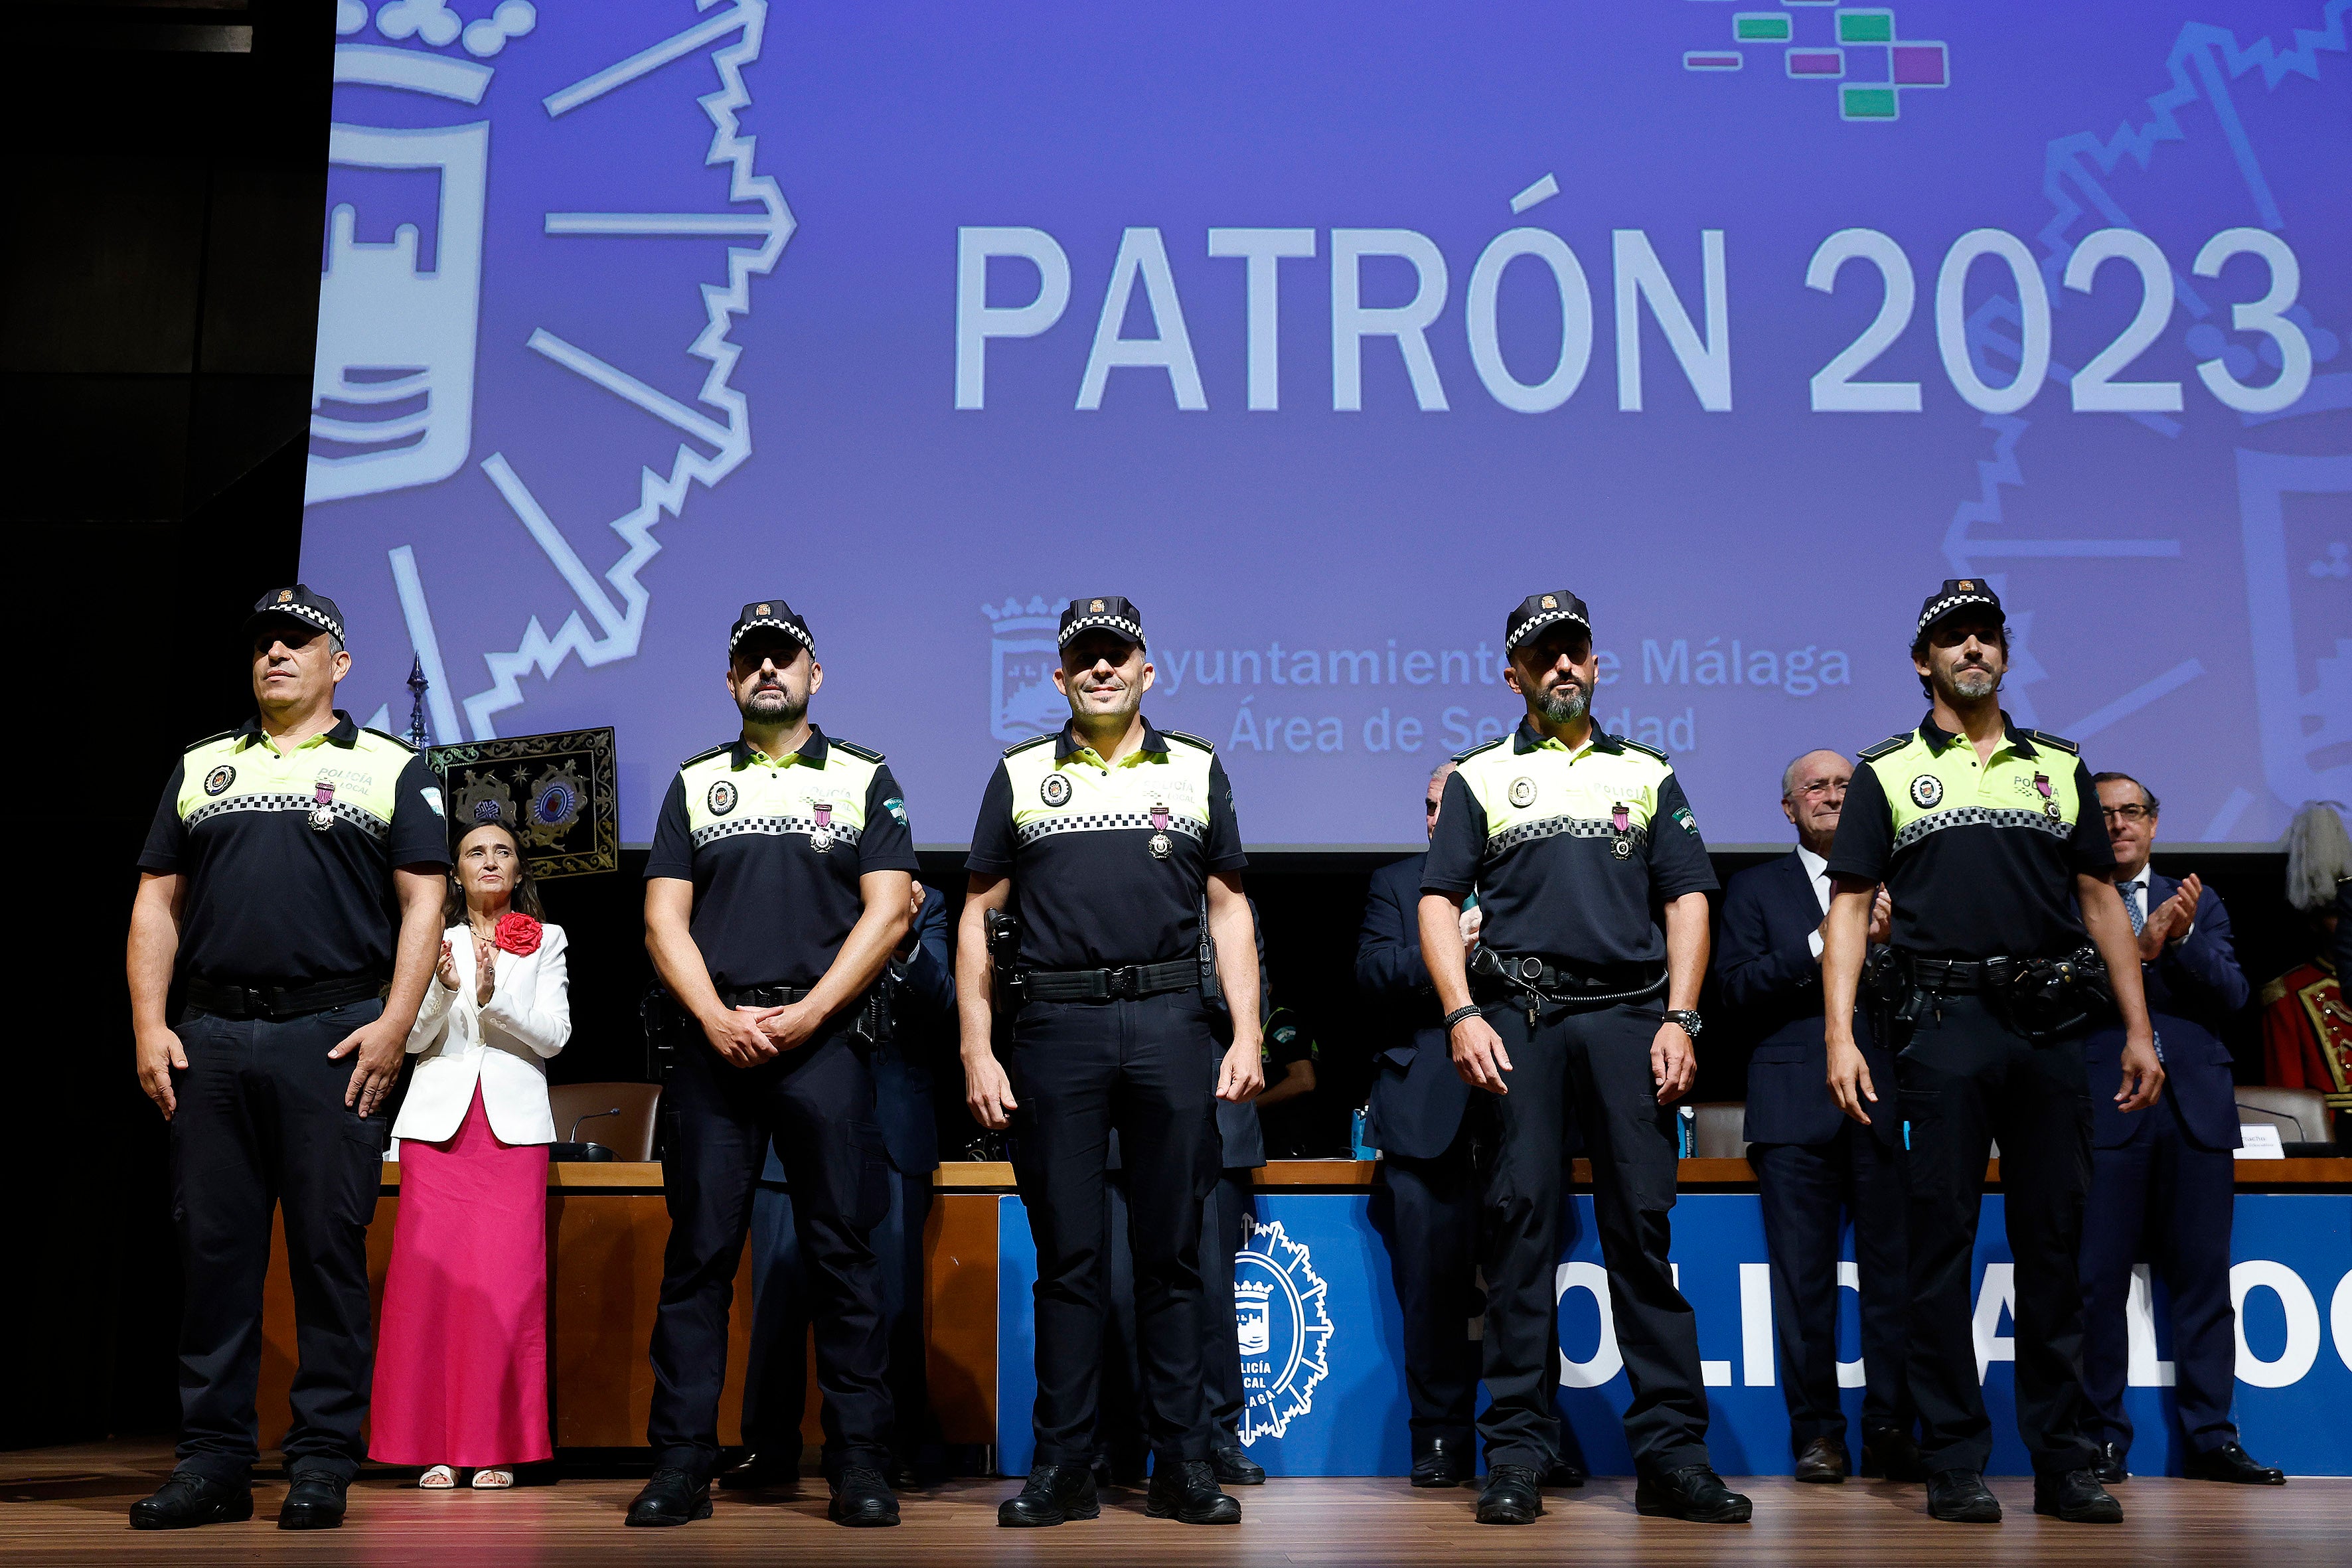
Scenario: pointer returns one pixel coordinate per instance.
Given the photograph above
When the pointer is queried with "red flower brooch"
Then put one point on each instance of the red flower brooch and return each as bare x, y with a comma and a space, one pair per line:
516, 933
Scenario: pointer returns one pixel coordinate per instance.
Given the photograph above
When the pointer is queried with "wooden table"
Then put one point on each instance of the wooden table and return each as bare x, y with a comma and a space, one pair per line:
606, 1226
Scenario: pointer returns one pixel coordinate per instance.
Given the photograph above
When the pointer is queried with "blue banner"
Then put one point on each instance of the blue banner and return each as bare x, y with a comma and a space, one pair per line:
1323, 1357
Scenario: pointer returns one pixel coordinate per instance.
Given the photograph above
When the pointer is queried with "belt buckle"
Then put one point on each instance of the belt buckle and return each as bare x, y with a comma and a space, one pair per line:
1123, 981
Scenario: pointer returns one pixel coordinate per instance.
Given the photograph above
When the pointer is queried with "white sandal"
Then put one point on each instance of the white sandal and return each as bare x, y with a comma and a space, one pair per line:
439, 1478
493, 1480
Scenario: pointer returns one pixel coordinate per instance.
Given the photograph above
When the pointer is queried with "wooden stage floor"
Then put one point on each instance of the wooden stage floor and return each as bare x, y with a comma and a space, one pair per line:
66, 1506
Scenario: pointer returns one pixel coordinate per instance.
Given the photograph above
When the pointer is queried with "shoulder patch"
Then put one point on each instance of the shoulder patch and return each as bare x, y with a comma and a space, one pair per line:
1887, 748
706, 756
395, 740
1637, 746
1467, 753
854, 750
208, 740
2055, 743
1019, 746
1190, 740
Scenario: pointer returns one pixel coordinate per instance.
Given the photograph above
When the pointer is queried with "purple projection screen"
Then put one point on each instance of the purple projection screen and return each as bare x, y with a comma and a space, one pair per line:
1325, 333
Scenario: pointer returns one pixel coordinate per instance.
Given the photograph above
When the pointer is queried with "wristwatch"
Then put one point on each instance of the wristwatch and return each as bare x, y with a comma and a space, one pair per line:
1689, 1022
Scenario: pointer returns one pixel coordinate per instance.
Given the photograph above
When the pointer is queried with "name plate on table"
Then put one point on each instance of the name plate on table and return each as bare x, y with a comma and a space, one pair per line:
2259, 1143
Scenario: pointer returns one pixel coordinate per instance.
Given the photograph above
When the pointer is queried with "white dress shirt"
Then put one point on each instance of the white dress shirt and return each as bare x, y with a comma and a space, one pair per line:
1818, 869
501, 1045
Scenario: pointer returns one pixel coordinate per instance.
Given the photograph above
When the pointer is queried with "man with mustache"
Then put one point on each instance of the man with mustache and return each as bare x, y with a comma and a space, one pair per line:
1109, 842
1989, 840
780, 879
1571, 838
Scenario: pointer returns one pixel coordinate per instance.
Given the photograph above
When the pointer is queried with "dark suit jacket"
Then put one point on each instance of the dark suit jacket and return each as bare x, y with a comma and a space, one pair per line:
1765, 966
2191, 990
924, 1033
1418, 1097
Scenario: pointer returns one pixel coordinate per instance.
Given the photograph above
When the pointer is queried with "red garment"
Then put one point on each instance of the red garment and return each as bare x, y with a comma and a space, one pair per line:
2307, 1034
461, 1355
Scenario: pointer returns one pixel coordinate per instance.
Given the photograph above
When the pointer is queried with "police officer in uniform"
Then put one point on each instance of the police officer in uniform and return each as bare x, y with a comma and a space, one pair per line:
1988, 839
780, 882
1571, 837
1105, 843
295, 865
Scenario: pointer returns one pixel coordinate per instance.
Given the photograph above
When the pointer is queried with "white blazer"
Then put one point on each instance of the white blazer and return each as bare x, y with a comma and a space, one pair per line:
502, 1045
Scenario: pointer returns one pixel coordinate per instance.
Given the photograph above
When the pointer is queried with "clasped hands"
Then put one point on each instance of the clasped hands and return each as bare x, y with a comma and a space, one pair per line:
747, 1036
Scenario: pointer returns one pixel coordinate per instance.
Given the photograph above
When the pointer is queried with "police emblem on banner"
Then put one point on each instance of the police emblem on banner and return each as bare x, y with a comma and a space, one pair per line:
1927, 790
558, 793
1284, 1329
217, 780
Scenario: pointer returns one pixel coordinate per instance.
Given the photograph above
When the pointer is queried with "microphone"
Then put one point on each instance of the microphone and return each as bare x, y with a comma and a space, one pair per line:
574, 1136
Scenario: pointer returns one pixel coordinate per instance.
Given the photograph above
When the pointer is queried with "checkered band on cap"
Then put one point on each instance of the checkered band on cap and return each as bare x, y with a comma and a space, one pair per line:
302, 605
775, 615
1111, 615
1956, 593
1540, 610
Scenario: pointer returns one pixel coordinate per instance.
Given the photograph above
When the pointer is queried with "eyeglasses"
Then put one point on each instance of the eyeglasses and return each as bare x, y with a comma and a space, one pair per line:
2133, 812
1818, 787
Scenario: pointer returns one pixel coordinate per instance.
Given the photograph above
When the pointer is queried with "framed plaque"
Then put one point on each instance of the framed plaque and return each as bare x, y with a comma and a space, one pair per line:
559, 793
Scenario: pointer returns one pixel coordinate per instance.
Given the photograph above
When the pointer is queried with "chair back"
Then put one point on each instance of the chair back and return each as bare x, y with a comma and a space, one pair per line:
2299, 1114
629, 1134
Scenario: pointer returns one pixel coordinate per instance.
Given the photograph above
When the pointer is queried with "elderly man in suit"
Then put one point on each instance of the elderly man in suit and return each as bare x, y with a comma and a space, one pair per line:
1814, 1166
2163, 1180
1418, 1105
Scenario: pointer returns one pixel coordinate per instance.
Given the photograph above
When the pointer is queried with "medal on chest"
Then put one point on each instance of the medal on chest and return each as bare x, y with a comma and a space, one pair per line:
322, 815
822, 839
2049, 801
1161, 845
1621, 823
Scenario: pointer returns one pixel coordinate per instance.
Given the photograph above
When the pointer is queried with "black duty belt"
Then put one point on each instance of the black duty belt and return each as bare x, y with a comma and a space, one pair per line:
1131, 980
763, 995
1496, 974
274, 1001
1949, 977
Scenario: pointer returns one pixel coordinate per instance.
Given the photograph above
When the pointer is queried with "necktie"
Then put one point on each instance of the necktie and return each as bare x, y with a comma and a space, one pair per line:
2131, 892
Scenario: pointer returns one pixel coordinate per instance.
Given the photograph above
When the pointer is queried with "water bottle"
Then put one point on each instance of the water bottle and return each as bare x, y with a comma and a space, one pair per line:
1358, 1143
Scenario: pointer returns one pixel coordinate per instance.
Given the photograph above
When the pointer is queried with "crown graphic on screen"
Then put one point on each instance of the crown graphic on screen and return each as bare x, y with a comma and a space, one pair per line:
1012, 616
1258, 1290
436, 24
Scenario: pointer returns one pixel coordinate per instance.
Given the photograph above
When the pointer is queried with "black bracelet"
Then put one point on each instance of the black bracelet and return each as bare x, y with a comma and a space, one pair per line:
1459, 1013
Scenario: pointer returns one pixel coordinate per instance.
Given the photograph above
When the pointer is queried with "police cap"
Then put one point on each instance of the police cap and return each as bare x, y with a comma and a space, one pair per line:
296, 604
773, 615
1109, 613
1958, 594
1538, 610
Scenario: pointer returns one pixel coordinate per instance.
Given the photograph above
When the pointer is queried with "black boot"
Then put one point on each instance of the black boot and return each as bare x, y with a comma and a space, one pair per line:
1695, 1493
186, 1500
862, 1497
2077, 1498
671, 1497
1514, 1495
1234, 1469
315, 1502
1890, 1452
1052, 1494
1958, 1497
2231, 1463
1444, 1463
1186, 1490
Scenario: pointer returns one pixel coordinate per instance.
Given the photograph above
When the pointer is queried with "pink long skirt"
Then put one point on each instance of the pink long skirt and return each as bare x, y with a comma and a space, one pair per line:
461, 1355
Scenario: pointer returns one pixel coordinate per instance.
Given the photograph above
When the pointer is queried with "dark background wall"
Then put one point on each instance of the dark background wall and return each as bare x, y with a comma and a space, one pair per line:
166, 180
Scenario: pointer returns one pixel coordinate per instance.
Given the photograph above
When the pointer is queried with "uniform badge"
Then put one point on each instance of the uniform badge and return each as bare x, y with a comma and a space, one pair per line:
1622, 848
2049, 801
1523, 792
217, 780
322, 815
822, 839
1621, 823
721, 799
1054, 790
1927, 790
1159, 844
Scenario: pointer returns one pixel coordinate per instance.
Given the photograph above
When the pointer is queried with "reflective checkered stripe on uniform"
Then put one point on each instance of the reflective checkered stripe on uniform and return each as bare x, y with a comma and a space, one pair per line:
1930, 789
1556, 826
1104, 822
254, 776
728, 828
1978, 816
1098, 798
365, 821
777, 799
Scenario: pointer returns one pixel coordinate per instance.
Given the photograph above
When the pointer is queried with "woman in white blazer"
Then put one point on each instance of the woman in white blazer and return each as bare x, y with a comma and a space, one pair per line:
461, 1355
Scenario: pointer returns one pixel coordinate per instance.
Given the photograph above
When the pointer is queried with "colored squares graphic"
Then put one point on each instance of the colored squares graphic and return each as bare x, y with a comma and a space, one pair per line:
1718, 60
1918, 65
1867, 103
1761, 27
1866, 28
1817, 62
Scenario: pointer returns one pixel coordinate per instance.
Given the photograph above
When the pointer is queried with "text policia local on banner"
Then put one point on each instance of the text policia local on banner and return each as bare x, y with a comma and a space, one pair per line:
1701, 347
1288, 719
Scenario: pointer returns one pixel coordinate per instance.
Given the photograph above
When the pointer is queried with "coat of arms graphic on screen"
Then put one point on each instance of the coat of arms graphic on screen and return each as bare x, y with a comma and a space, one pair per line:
1285, 1328
491, 164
